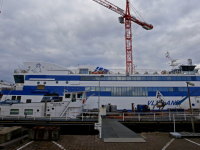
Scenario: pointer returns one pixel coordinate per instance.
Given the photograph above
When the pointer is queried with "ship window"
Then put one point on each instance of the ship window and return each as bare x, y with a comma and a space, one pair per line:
139, 78
97, 89
160, 89
60, 98
19, 98
114, 78
180, 89
165, 89
154, 78
28, 112
73, 96
37, 110
13, 98
198, 78
128, 78
38, 82
79, 95
183, 78
149, 78
178, 78
56, 82
66, 82
164, 78
150, 89
174, 79
185, 89
168, 78
188, 78
92, 88
87, 88
170, 89
44, 82
14, 111
154, 89
197, 101
123, 91
19, 78
28, 101
83, 71
133, 91
52, 108
41, 87
119, 91
134, 78
159, 78
144, 78
67, 95
108, 88
103, 89
124, 78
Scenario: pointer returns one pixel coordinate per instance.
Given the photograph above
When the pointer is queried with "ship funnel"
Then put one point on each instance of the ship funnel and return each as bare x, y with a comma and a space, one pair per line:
190, 62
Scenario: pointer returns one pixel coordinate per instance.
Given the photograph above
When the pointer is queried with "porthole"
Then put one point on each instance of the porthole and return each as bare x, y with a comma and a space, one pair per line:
37, 110
38, 82
56, 82
52, 108
48, 110
44, 82
67, 82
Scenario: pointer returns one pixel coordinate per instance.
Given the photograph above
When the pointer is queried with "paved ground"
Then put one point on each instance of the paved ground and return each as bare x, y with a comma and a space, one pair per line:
154, 141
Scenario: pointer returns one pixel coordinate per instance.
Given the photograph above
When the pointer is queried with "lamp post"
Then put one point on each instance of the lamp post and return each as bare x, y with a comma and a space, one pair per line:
192, 84
99, 92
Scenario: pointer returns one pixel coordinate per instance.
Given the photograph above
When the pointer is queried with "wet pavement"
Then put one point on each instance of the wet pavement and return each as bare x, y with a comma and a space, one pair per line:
154, 141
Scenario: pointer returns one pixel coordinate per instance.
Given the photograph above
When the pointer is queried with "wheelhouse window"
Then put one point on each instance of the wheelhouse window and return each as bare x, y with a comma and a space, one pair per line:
83, 71
28, 101
19, 78
13, 98
67, 95
79, 95
28, 112
14, 111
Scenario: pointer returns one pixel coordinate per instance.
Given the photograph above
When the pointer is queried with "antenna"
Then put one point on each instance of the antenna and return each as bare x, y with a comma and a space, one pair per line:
173, 64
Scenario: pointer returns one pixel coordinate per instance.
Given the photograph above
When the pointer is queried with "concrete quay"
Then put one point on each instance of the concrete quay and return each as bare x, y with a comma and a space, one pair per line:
154, 141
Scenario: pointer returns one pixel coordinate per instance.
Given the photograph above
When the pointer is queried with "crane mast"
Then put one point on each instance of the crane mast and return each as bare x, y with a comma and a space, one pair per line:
125, 15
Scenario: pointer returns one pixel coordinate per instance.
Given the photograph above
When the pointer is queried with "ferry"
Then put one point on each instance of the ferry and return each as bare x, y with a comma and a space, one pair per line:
89, 87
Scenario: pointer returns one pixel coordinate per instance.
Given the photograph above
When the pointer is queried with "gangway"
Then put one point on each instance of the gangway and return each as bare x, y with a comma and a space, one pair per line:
114, 131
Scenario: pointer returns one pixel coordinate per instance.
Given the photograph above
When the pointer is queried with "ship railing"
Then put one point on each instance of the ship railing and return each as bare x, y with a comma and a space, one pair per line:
12, 88
120, 116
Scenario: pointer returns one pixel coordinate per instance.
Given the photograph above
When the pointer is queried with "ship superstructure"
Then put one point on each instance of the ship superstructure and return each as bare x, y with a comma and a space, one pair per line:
40, 78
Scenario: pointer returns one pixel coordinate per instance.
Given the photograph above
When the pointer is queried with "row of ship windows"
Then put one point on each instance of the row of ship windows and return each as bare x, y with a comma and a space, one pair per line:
135, 91
140, 78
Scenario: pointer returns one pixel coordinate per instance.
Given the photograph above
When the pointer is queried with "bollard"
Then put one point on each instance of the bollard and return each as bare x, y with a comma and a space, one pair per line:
174, 123
139, 116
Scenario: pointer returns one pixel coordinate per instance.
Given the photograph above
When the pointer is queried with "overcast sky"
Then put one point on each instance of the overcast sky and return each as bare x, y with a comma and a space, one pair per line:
72, 32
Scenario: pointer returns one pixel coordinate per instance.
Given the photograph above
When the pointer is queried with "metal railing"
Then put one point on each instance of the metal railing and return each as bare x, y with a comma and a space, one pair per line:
121, 116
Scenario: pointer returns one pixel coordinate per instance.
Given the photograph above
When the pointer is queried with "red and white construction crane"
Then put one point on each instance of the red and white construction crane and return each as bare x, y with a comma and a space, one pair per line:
125, 15
1, 4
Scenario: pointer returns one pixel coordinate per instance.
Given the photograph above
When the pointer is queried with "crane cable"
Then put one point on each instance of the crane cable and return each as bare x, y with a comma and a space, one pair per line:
1, 4
137, 13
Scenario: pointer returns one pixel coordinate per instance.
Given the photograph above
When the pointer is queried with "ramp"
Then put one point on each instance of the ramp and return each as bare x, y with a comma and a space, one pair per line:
113, 131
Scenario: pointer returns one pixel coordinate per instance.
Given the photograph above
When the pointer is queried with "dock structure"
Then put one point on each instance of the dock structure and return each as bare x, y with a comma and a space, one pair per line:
113, 131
